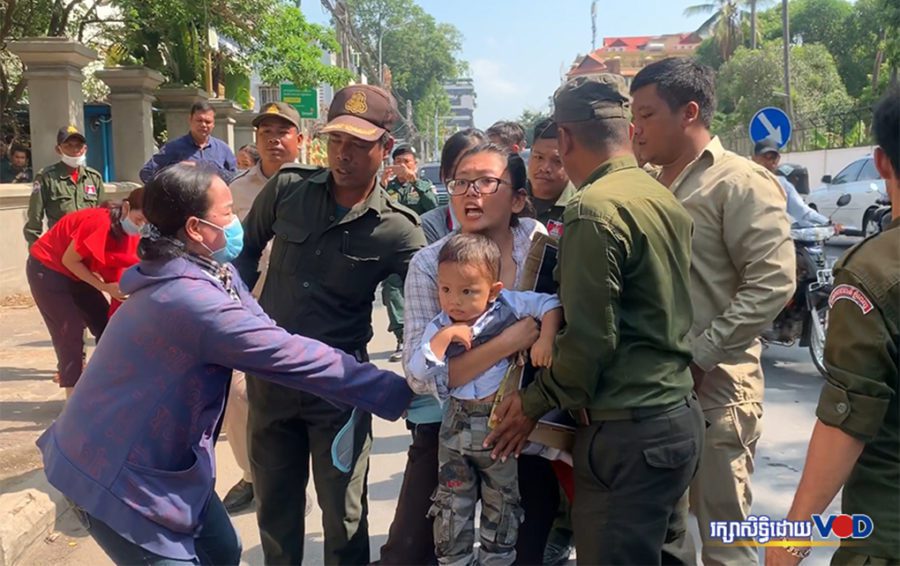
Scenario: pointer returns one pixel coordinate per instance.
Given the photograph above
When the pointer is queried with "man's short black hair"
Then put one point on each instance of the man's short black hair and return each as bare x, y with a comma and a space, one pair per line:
17, 147
606, 134
545, 130
508, 133
680, 80
403, 150
201, 106
886, 127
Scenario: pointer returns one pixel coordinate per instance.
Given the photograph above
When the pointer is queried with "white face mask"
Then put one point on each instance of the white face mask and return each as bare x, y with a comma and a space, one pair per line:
74, 162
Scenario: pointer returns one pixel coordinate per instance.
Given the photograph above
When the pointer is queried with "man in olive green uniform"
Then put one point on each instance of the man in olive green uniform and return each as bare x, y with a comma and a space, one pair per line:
402, 184
548, 184
64, 187
336, 237
856, 441
621, 363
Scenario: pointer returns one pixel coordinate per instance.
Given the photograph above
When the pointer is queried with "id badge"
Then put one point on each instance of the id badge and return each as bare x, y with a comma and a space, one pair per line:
90, 192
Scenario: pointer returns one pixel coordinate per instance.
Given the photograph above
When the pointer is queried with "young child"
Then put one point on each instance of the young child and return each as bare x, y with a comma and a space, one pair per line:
474, 309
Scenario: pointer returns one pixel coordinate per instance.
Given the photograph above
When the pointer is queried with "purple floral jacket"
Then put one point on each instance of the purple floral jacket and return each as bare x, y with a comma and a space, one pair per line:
134, 446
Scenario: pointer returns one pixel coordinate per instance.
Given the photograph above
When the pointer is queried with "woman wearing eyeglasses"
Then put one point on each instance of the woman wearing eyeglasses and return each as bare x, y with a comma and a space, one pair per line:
487, 189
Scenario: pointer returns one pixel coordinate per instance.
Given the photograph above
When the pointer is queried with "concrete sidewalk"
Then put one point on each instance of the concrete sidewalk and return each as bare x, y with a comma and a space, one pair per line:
32, 512
29, 401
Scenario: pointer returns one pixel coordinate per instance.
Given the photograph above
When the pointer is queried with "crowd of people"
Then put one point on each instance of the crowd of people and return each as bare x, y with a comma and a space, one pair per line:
249, 309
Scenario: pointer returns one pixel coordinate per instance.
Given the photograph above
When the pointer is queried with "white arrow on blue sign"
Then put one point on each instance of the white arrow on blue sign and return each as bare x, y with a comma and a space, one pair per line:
770, 123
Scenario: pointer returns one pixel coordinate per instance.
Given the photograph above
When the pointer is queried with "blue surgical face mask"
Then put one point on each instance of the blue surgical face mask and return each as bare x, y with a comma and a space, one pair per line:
129, 227
234, 241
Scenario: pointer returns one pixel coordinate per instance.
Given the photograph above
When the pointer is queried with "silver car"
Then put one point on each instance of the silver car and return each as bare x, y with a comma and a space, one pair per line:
862, 182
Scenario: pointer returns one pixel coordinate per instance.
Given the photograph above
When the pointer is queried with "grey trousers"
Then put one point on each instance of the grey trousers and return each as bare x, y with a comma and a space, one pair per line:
466, 473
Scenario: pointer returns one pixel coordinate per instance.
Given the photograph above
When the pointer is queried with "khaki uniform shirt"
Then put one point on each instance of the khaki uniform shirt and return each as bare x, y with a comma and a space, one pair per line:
418, 196
742, 272
324, 268
623, 272
54, 195
860, 396
245, 188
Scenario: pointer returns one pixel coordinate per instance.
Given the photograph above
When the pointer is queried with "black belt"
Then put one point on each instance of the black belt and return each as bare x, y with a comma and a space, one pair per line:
585, 417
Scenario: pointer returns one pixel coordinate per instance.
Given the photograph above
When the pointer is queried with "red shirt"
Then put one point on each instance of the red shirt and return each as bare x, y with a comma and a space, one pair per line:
90, 230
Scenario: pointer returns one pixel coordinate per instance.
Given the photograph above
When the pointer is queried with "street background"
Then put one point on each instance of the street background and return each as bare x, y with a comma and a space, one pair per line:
29, 401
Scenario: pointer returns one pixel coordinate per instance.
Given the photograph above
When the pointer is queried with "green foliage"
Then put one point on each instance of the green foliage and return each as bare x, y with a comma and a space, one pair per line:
708, 53
420, 52
725, 24
288, 48
753, 79
434, 102
529, 120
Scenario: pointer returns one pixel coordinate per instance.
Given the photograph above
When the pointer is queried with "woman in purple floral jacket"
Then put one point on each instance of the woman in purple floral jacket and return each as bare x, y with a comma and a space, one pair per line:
134, 446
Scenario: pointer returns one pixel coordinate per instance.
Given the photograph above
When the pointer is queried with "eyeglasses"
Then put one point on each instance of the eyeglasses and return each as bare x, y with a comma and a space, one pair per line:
482, 185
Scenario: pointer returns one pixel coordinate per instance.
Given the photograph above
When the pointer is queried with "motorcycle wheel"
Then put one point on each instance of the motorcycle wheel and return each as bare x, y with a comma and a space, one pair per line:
818, 324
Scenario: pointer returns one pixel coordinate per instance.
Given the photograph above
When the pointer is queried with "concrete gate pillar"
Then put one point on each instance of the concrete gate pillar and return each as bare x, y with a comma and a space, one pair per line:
53, 70
244, 132
176, 102
226, 110
131, 98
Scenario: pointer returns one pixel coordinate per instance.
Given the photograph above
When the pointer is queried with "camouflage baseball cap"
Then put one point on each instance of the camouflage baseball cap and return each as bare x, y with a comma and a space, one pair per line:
597, 97
278, 110
363, 111
67, 132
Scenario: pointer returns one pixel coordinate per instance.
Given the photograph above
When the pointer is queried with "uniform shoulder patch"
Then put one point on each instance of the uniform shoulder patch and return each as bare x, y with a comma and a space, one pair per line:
852, 294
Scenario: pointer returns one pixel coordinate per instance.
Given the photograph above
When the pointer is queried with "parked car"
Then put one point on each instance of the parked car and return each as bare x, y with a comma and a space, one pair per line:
860, 179
432, 172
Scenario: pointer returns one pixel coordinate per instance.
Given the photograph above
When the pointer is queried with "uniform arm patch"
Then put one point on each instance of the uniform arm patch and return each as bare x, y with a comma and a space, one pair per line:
852, 294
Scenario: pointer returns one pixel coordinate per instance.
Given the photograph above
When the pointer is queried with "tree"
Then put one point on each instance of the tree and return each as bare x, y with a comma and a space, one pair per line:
529, 120
753, 79
421, 53
33, 18
724, 23
292, 51
708, 53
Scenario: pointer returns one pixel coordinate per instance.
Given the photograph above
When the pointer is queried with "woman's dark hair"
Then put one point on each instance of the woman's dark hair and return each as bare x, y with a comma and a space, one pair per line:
515, 165
135, 200
174, 195
251, 151
455, 146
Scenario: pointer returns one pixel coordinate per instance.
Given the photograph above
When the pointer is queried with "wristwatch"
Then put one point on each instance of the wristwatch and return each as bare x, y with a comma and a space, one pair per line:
800, 552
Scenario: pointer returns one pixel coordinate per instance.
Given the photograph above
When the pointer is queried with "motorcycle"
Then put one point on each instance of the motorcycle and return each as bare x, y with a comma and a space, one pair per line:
881, 215
805, 317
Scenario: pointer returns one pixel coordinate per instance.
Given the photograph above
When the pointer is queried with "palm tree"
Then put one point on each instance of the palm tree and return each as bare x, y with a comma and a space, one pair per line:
724, 23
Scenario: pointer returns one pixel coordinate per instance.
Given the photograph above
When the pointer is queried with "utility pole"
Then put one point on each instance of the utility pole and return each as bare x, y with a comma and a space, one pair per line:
594, 25
785, 23
437, 141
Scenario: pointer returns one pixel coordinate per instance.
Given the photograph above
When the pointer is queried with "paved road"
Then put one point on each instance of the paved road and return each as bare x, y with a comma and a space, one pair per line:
792, 390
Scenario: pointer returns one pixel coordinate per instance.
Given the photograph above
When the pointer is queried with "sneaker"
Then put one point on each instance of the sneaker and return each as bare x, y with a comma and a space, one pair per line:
397, 355
556, 554
238, 497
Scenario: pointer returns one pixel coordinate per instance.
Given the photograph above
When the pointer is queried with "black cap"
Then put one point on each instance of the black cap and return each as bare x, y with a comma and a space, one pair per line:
599, 97
67, 132
766, 146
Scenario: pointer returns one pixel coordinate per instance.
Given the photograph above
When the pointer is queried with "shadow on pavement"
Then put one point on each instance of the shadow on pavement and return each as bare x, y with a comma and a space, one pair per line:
24, 374
391, 445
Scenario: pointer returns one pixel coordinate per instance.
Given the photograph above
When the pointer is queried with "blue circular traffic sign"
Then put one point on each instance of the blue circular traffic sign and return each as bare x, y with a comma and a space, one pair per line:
770, 123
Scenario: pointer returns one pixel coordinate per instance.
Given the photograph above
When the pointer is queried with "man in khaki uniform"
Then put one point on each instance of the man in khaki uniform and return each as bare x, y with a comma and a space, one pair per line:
278, 140
742, 275
63, 187
856, 441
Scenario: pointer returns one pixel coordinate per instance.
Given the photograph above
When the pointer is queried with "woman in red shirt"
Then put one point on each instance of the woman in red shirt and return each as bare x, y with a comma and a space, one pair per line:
70, 268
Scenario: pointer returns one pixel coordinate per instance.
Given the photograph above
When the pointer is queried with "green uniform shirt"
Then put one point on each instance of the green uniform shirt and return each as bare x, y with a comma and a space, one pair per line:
54, 195
624, 276
861, 393
324, 267
419, 195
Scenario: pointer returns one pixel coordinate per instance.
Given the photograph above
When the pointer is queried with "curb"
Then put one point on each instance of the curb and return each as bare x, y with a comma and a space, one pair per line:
29, 512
